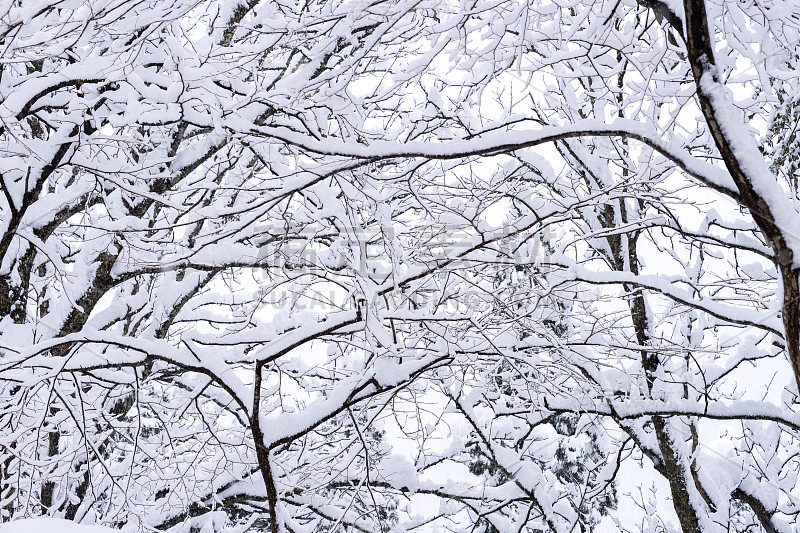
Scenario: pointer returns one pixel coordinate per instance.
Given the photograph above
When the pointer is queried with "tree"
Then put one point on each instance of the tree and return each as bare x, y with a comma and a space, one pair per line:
375, 266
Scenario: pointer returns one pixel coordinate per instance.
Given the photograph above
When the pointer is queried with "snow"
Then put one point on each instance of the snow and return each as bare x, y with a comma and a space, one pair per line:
406, 219
494, 143
51, 525
752, 163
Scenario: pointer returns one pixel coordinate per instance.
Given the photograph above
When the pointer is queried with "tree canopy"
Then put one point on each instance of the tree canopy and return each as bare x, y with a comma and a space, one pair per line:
400, 265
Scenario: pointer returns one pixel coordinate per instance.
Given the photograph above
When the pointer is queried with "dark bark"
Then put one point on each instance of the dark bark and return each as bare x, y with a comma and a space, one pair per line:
48, 487
763, 514
262, 451
670, 465
676, 476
